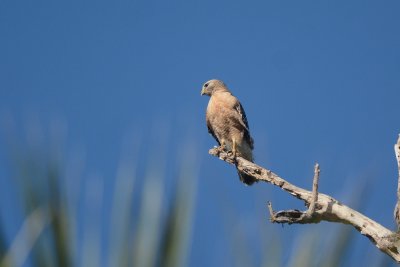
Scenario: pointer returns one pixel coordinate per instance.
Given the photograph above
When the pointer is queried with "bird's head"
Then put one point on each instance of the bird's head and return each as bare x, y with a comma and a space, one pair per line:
211, 86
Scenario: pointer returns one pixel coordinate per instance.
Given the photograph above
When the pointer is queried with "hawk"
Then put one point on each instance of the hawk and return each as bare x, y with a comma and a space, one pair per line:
227, 123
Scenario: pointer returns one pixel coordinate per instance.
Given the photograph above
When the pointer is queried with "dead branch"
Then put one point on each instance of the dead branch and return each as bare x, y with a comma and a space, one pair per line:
321, 207
396, 209
314, 199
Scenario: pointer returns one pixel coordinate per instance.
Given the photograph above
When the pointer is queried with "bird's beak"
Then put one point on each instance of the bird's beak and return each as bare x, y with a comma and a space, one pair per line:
202, 92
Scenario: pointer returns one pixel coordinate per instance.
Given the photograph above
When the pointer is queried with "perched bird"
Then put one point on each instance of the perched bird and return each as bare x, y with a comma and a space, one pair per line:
227, 123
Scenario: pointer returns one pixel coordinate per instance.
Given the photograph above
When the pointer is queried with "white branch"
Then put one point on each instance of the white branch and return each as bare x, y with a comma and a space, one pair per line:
321, 207
311, 208
396, 209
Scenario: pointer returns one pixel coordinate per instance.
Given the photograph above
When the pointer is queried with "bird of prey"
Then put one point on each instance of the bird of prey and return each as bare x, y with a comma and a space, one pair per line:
227, 123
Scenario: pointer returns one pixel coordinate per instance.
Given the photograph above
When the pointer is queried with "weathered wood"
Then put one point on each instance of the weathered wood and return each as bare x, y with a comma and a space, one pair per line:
396, 209
321, 206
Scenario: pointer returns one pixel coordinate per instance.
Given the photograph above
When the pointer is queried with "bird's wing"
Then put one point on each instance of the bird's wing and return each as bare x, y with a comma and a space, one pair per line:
242, 114
245, 124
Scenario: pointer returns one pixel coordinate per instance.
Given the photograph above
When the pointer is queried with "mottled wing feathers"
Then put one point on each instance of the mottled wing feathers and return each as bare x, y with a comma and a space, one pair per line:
240, 110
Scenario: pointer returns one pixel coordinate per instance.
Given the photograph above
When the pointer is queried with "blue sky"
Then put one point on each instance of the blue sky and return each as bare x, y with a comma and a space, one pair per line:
319, 82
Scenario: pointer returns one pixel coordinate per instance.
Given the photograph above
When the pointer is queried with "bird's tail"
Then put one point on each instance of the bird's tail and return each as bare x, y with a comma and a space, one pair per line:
246, 179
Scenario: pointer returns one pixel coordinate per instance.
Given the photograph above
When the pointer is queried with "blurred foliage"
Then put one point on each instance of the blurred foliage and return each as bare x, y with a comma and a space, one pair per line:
62, 215
63, 225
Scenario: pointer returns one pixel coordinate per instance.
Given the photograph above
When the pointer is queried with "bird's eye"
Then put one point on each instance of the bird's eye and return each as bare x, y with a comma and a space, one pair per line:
206, 85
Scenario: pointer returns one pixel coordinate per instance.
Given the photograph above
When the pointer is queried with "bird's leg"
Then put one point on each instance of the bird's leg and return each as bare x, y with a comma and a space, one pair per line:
223, 146
234, 144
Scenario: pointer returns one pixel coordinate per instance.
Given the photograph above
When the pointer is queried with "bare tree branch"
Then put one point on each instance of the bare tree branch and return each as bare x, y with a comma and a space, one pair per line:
396, 209
311, 208
321, 207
